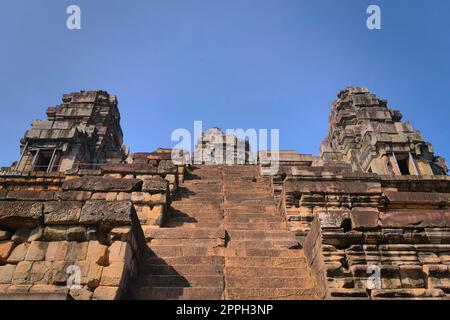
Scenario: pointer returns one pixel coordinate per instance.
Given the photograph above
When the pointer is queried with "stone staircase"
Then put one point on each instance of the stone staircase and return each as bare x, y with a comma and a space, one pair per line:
224, 240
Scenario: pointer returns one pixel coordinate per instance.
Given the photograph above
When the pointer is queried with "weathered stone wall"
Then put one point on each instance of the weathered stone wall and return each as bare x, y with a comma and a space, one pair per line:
86, 220
314, 255
397, 226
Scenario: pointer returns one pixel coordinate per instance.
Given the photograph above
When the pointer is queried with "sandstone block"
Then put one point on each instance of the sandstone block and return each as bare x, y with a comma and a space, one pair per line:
416, 219
81, 294
155, 185
83, 268
129, 168
56, 251
120, 251
74, 195
390, 277
19, 214
113, 175
36, 251
106, 293
438, 276
18, 289
412, 276
6, 247
4, 288
77, 251
364, 218
94, 275
120, 233
40, 272
100, 184
141, 197
124, 196
36, 234
31, 195
97, 253
333, 218
106, 196
58, 272
167, 166
51, 290
22, 272
76, 233
19, 253
428, 258
154, 214
55, 233
107, 212
62, 212
113, 274
6, 273
407, 293
171, 178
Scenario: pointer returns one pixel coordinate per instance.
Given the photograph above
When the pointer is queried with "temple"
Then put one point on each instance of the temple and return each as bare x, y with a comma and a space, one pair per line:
83, 218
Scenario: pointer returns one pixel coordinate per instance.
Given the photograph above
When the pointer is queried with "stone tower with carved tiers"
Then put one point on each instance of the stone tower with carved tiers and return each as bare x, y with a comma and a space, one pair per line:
83, 131
371, 137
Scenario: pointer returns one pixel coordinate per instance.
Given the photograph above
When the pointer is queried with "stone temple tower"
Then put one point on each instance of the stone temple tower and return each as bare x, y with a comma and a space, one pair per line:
215, 147
365, 133
82, 132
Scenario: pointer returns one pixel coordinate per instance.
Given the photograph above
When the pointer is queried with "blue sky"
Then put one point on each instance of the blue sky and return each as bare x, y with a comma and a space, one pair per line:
230, 63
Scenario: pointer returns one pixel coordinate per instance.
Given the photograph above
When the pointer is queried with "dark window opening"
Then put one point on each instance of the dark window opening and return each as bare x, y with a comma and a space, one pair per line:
44, 160
403, 166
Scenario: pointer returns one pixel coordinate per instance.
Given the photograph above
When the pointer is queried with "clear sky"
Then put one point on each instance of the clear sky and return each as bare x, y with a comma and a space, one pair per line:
230, 63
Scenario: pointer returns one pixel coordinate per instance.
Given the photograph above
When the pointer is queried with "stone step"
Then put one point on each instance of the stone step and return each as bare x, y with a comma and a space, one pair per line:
294, 281
297, 262
184, 233
197, 293
210, 243
201, 189
260, 235
256, 272
250, 209
175, 223
249, 203
244, 186
215, 219
213, 180
264, 253
256, 226
201, 196
183, 270
251, 217
200, 259
196, 213
247, 192
250, 197
183, 251
270, 294
176, 281
263, 244
192, 204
